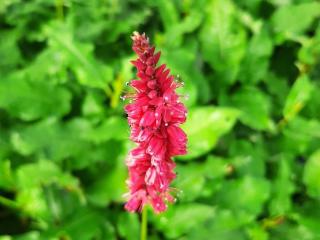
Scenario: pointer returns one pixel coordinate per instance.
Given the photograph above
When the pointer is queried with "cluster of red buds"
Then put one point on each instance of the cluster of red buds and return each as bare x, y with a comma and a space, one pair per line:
154, 116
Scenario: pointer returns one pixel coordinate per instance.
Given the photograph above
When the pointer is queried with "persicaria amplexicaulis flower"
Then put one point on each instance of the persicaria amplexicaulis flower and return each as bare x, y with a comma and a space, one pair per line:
154, 116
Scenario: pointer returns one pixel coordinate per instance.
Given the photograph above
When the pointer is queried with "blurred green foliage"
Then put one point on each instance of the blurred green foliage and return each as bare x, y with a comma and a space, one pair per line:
251, 70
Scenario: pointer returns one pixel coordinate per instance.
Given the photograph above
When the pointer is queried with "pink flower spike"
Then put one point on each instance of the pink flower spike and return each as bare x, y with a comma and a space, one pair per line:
154, 117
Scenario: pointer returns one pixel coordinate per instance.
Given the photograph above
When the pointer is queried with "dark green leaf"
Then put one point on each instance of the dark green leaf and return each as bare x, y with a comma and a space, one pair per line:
254, 105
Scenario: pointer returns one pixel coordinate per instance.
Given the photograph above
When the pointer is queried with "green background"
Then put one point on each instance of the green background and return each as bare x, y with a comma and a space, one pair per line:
251, 69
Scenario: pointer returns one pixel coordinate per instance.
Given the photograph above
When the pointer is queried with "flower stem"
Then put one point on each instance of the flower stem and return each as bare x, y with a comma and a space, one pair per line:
144, 222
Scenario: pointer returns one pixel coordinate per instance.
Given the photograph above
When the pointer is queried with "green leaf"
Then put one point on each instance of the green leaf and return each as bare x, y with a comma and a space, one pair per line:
297, 98
307, 216
32, 202
174, 35
191, 181
60, 208
117, 26
298, 139
119, 85
89, 71
5, 147
310, 130
282, 188
104, 190
311, 174
291, 20
24, 98
9, 52
168, 13
252, 5
6, 175
83, 224
182, 219
53, 140
33, 235
257, 233
246, 196
224, 225
5, 238
256, 61
223, 39
31, 197
310, 50
279, 88
128, 226
248, 158
205, 126
313, 105
255, 107
181, 62
93, 104
200, 180
44, 173
111, 128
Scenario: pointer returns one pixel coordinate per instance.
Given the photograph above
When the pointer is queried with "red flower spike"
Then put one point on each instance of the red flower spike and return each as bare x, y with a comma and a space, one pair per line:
154, 117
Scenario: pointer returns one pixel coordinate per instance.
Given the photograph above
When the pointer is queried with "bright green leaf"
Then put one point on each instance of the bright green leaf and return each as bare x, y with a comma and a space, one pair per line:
311, 174
291, 20
297, 98
30, 100
89, 71
205, 126
182, 219
44, 173
111, 128
6, 175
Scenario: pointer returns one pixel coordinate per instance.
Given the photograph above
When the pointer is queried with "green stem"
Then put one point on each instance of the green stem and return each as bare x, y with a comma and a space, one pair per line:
8, 203
144, 222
